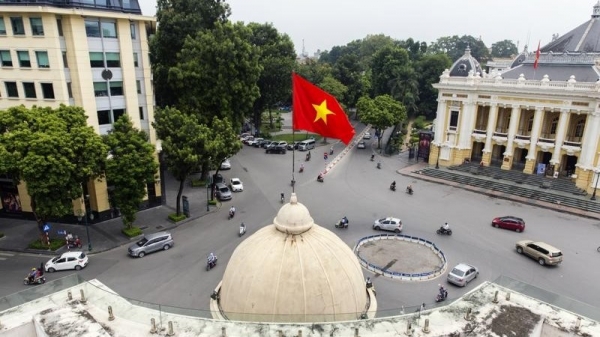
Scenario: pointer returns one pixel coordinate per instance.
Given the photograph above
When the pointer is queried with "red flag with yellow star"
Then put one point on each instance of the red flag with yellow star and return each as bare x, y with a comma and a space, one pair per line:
317, 111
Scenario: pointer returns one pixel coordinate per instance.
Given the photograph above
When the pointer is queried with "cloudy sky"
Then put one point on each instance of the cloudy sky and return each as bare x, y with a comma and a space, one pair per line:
322, 24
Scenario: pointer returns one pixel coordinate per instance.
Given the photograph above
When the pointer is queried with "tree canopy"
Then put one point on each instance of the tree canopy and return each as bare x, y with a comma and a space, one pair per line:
386, 66
504, 48
130, 168
455, 46
381, 112
54, 151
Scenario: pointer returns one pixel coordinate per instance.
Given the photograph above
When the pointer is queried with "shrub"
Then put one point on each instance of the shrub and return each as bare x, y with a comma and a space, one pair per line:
212, 202
54, 244
132, 231
176, 218
198, 182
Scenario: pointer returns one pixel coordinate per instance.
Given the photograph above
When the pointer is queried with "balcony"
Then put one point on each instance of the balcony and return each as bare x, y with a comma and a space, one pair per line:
501, 132
547, 138
572, 141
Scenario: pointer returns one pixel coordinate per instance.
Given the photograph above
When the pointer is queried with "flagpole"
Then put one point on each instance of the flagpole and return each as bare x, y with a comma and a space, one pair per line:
293, 139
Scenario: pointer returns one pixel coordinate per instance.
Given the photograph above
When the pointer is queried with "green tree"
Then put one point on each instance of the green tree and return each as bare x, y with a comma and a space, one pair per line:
222, 143
216, 74
381, 112
504, 48
313, 71
386, 66
130, 168
277, 58
334, 87
455, 47
347, 70
178, 20
183, 140
405, 88
54, 151
429, 68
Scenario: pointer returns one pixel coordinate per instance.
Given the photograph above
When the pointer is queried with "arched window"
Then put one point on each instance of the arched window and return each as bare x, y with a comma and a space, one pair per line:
553, 126
579, 128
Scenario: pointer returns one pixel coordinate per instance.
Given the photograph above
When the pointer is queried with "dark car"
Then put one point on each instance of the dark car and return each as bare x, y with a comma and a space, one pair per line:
509, 222
260, 143
293, 146
265, 144
281, 149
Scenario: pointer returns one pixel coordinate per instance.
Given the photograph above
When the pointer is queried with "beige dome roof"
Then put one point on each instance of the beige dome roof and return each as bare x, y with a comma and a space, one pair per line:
293, 271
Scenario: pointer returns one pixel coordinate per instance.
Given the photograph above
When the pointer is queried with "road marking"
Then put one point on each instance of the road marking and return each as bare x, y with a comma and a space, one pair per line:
7, 254
2, 258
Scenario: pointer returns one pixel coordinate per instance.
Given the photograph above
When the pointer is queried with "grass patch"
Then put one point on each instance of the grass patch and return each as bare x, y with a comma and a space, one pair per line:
132, 232
176, 218
198, 183
289, 137
212, 202
54, 244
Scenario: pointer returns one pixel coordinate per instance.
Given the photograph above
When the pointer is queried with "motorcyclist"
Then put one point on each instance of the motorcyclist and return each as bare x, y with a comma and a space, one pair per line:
446, 227
443, 291
378, 164
409, 189
231, 211
282, 196
369, 283
32, 274
301, 167
211, 258
372, 157
393, 185
320, 177
243, 226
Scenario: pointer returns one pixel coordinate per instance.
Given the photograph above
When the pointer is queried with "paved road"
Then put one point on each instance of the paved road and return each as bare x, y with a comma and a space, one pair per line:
357, 189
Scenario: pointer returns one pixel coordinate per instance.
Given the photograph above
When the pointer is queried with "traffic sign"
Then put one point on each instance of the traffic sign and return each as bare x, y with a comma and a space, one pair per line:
46, 227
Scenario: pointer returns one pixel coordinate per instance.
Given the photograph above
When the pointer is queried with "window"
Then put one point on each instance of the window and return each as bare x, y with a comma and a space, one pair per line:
59, 26
92, 28
96, 60
116, 88
5, 59
48, 90
553, 126
530, 124
117, 113
11, 89
29, 88
103, 117
141, 113
100, 89
42, 59
132, 27
579, 128
135, 60
37, 26
138, 85
453, 120
64, 57
109, 29
69, 89
113, 60
24, 60
17, 25
2, 26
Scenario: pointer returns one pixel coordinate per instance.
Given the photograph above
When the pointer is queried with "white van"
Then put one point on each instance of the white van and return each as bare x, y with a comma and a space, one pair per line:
306, 145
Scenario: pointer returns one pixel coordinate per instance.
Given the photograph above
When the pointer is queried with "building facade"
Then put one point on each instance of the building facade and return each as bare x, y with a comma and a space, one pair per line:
541, 116
77, 53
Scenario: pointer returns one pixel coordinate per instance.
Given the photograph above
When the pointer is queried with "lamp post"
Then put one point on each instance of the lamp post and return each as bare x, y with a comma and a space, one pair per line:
207, 193
82, 214
437, 159
597, 174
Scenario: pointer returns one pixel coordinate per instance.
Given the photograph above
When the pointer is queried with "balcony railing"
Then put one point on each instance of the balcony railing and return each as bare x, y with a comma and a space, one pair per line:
547, 138
479, 132
523, 137
572, 141
130, 6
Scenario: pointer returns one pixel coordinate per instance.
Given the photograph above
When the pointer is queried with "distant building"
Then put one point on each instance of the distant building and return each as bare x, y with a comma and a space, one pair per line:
538, 117
80, 53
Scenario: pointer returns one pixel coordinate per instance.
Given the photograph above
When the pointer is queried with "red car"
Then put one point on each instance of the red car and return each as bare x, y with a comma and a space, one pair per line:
509, 222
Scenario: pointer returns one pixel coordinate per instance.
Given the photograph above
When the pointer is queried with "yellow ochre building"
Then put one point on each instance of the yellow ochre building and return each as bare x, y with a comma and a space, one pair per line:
536, 117
87, 53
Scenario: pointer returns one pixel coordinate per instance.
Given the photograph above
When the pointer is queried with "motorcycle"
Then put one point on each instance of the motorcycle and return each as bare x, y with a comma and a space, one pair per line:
301, 169
231, 214
211, 264
320, 179
330, 151
372, 157
442, 296
378, 165
74, 243
282, 198
36, 280
393, 187
409, 191
308, 157
443, 231
343, 223
242, 229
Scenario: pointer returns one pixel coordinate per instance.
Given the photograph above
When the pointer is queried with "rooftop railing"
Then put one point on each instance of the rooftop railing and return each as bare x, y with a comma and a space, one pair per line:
124, 6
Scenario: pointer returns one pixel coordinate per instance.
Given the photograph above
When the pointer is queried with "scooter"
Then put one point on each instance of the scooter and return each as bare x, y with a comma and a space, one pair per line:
330, 151
308, 157
301, 169
372, 157
74, 243
342, 223
242, 229
442, 231
393, 187
231, 214
320, 179
211, 264
409, 191
36, 280
379, 165
442, 296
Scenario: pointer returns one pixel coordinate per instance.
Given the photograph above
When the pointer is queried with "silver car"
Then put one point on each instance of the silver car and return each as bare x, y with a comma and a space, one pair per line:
462, 274
151, 243
223, 192
388, 224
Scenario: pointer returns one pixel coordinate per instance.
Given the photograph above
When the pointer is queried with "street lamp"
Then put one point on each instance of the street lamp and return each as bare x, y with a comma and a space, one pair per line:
437, 160
597, 174
207, 193
82, 214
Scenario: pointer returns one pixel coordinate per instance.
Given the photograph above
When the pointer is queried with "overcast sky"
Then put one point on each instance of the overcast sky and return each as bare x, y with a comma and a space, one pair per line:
322, 24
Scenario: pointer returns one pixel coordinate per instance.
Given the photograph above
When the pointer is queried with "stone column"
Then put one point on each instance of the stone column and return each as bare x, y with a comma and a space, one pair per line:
535, 134
491, 126
589, 142
466, 128
515, 115
560, 137
440, 121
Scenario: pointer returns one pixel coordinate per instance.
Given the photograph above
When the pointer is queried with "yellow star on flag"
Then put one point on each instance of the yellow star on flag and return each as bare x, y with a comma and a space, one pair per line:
322, 111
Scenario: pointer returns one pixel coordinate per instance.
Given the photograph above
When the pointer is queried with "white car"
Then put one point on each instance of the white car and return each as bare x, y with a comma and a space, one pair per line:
388, 224
367, 135
462, 274
361, 145
236, 185
67, 261
225, 165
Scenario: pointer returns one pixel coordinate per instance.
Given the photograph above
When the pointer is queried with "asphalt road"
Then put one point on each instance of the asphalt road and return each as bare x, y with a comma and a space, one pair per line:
357, 189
